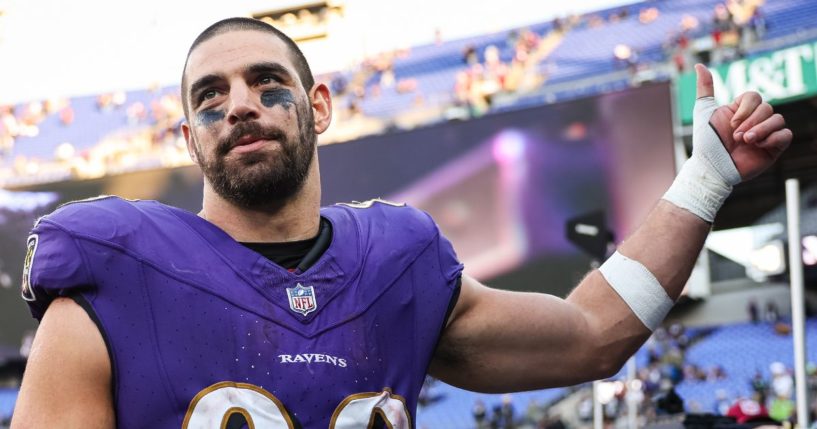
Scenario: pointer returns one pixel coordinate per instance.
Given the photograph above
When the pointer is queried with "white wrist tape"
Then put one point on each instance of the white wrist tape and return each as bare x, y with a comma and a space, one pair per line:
639, 288
706, 179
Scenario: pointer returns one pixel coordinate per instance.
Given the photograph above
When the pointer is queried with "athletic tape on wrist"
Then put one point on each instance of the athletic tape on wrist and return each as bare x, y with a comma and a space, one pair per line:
639, 288
706, 179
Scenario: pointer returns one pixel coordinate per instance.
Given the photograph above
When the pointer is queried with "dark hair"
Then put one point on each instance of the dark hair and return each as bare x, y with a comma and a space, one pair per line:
238, 24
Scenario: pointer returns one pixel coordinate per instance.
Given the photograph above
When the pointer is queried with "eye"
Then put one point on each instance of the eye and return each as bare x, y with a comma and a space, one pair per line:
207, 95
266, 79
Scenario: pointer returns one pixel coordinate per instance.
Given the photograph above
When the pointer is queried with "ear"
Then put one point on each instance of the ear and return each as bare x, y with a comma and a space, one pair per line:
188, 138
321, 101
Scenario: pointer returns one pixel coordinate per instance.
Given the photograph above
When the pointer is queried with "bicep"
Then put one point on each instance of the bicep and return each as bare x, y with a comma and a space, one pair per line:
67, 382
499, 340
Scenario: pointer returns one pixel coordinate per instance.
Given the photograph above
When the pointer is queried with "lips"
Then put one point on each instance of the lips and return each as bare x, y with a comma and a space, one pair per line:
249, 136
247, 139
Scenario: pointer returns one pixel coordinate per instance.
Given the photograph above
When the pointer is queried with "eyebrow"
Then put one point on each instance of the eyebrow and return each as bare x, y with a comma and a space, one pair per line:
202, 83
257, 68
269, 67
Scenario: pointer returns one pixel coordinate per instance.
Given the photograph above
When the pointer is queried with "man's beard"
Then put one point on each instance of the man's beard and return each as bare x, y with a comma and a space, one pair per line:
262, 179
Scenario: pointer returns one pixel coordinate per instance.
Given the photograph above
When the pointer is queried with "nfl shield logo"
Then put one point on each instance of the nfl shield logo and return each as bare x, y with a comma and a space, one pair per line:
302, 299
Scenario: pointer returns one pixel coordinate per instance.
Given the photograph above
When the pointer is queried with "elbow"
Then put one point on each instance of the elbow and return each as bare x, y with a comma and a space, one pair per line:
611, 366
595, 366
606, 360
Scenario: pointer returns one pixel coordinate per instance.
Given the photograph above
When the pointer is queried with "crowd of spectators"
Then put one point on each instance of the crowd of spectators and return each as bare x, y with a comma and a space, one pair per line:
505, 416
735, 26
486, 75
150, 137
768, 396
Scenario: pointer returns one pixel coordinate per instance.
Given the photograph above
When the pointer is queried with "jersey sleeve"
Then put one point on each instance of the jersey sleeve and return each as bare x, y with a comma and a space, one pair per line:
53, 267
450, 266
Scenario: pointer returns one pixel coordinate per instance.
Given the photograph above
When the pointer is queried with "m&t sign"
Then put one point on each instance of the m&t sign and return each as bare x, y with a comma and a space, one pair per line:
779, 76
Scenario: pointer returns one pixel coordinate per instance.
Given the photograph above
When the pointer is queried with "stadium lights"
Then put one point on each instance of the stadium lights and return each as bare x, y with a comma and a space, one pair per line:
607, 391
810, 250
768, 260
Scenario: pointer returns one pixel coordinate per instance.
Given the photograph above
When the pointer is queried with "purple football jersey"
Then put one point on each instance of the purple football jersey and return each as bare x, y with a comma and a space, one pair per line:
201, 329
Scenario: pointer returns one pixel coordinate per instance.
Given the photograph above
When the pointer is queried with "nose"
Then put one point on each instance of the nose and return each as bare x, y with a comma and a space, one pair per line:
242, 105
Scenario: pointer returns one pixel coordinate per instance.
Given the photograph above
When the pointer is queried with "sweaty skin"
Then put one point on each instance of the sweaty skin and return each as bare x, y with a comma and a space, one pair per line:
277, 96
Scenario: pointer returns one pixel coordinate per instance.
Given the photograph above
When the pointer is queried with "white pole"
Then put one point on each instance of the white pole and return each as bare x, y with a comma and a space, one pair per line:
797, 302
598, 412
632, 411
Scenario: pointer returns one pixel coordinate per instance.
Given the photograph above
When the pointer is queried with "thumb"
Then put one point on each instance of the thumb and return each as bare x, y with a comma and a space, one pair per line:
705, 87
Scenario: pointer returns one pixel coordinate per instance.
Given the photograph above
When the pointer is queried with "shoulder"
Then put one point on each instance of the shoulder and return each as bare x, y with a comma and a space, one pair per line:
396, 234
386, 217
105, 217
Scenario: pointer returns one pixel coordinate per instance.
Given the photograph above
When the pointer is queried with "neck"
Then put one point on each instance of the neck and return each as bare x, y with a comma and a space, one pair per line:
293, 220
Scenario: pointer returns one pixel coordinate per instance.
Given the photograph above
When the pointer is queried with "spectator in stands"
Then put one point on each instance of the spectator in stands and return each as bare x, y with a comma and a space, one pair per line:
757, 25
594, 21
339, 84
584, 409
469, 55
558, 25
626, 57
782, 381
507, 412
722, 19
66, 115
669, 402
722, 402
480, 415
781, 406
748, 409
753, 310
716, 373
782, 409
494, 73
760, 387
648, 15
535, 413
772, 314
496, 417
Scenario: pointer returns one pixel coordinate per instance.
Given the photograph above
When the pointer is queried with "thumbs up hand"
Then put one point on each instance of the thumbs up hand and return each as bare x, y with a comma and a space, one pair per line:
730, 144
752, 134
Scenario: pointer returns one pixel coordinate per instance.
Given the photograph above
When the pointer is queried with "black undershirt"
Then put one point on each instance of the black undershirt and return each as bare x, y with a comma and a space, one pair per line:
290, 254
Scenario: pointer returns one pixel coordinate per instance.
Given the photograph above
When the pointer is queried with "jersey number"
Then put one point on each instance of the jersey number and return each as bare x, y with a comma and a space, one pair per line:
213, 407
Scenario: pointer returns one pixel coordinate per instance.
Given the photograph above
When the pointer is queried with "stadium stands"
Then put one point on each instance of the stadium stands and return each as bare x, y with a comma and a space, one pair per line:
567, 58
742, 350
452, 407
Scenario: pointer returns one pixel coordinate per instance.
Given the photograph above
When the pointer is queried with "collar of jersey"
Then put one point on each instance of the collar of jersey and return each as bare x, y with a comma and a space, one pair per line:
328, 275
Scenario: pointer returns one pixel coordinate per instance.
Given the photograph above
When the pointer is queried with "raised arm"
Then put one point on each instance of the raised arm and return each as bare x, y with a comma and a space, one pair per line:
67, 383
499, 341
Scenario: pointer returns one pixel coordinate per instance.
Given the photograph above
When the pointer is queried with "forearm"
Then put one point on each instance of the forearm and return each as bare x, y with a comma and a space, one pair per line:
668, 244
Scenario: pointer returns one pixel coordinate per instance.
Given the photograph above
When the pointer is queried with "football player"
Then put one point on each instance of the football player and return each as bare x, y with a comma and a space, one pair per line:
266, 310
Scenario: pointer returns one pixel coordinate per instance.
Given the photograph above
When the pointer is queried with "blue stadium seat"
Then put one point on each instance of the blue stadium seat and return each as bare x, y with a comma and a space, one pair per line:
8, 397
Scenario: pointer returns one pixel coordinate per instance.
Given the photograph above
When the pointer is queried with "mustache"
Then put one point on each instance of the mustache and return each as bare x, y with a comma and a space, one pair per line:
249, 128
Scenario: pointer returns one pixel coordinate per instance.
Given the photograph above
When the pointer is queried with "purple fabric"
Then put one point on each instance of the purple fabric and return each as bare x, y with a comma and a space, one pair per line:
184, 306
